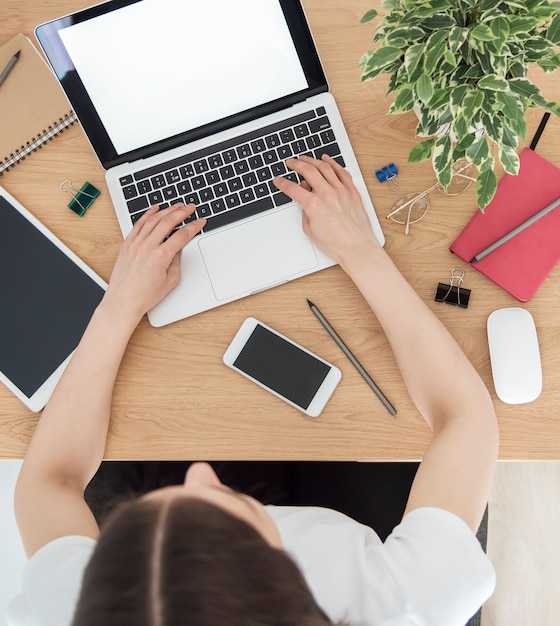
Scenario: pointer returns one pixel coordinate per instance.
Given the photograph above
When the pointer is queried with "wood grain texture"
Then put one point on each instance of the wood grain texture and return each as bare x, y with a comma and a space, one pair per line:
175, 399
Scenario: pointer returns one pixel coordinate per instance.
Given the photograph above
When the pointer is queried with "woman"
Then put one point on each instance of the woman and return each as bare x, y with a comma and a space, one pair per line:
201, 554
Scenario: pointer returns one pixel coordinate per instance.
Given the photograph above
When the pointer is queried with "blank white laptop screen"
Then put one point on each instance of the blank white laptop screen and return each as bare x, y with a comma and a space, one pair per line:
207, 71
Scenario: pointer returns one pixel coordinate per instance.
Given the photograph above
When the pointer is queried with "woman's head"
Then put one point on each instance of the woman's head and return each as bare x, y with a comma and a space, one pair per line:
196, 554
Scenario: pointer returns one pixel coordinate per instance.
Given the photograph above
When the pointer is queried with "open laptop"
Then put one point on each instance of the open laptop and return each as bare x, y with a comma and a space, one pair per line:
203, 102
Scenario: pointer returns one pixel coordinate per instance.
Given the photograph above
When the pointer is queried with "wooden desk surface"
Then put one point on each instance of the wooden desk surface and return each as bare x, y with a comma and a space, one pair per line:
174, 399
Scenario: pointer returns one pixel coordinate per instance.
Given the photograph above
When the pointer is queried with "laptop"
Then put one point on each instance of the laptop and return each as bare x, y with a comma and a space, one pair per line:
203, 102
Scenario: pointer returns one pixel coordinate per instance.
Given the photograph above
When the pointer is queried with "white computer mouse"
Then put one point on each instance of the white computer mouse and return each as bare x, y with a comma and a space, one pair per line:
514, 355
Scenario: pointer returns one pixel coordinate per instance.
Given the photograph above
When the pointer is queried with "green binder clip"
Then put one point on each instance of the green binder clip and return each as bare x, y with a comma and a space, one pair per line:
82, 198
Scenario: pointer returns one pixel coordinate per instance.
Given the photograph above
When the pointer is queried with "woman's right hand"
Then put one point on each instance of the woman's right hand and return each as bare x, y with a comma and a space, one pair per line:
334, 217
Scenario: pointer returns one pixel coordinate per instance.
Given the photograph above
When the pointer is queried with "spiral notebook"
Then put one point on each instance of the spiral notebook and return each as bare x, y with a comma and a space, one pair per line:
33, 107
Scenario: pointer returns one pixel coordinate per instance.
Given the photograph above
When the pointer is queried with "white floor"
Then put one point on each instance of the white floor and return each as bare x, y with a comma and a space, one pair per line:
523, 543
12, 557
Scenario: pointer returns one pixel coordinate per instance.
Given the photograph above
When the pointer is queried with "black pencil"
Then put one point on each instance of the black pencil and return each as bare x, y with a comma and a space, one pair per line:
332, 332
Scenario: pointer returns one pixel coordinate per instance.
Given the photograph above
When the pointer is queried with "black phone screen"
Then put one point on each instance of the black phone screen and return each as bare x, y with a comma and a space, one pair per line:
283, 367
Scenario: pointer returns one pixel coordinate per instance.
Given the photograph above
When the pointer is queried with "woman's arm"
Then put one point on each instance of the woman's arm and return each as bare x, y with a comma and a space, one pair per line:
69, 441
457, 469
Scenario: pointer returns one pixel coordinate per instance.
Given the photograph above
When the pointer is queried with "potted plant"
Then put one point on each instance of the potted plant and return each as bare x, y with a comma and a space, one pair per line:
464, 64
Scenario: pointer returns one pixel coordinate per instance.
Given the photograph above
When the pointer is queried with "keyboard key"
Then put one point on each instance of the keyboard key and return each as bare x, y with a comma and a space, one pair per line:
281, 198
212, 177
340, 161
272, 141
271, 156
155, 197
192, 198
206, 195
244, 151
258, 146
138, 204
327, 136
136, 216
235, 184
241, 167
262, 190
204, 210
332, 150
130, 192
201, 166
246, 210
158, 181
198, 182
247, 195
215, 161
313, 141
249, 179
221, 189
287, 135
264, 174
126, 180
301, 130
184, 187
232, 201
218, 205
170, 193
172, 176
299, 146
255, 161
144, 186
229, 156
186, 171
285, 152
278, 169
227, 172
321, 111
318, 125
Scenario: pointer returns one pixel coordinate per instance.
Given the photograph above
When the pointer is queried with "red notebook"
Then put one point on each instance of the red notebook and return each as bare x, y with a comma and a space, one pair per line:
521, 264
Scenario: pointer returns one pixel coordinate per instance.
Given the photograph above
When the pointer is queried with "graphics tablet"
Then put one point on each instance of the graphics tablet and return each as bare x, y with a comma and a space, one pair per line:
47, 297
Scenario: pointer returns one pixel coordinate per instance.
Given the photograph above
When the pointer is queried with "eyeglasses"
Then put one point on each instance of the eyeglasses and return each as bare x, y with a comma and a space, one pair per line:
412, 208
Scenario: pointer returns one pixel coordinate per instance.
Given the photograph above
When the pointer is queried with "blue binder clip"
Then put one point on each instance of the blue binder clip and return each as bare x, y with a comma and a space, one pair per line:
388, 174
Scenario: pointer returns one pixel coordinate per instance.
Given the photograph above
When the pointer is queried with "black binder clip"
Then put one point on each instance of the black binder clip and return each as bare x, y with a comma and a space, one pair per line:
388, 174
453, 293
82, 199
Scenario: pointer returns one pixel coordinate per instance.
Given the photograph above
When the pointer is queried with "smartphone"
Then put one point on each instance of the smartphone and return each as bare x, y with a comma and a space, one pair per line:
283, 367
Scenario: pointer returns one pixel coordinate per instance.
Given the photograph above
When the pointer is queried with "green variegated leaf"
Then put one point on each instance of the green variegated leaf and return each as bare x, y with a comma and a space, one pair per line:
478, 151
482, 32
441, 159
457, 37
494, 127
368, 16
500, 30
424, 88
553, 30
486, 186
493, 83
523, 87
412, 58
550, 64
421, 151
518, 25
381, 58
509, 159
517, 4
471, 103
408, 33
404, 101
509, 138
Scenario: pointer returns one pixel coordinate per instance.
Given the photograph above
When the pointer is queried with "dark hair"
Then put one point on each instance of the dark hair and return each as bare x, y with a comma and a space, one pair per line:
186, 562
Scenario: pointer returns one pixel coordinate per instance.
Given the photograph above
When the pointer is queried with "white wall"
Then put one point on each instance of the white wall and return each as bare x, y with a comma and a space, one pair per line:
12, 557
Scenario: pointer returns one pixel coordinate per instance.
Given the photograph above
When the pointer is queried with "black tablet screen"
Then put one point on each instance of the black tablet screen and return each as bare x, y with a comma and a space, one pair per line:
46, 302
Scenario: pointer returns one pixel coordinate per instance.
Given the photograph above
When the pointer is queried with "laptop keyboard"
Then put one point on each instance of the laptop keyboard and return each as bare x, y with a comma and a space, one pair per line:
233, 180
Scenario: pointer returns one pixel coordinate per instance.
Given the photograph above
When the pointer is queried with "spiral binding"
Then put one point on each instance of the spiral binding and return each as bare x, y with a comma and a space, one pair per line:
38, 141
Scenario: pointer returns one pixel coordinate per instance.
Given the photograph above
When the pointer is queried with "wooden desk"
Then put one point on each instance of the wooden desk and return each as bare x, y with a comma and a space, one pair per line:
175, 400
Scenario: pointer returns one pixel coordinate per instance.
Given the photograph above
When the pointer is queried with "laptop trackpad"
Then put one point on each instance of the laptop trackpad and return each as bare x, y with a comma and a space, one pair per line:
262, 252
